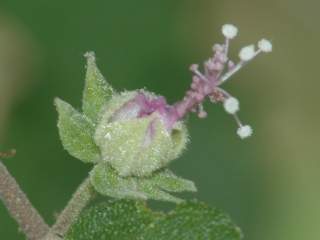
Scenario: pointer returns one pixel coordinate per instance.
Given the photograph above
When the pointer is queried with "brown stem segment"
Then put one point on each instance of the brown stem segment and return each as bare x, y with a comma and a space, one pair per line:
84, 194
20, 208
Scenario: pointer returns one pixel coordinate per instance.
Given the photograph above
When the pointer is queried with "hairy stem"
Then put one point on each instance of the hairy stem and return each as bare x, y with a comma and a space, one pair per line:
83, 195
20, 208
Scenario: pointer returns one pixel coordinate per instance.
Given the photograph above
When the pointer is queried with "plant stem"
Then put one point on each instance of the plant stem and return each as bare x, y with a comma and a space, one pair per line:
20, 208
83, 195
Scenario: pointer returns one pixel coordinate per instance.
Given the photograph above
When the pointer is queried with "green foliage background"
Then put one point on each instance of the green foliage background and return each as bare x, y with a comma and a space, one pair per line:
268, 184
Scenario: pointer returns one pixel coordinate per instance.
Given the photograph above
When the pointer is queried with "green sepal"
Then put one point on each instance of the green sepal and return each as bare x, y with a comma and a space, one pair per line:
152, 191
76, 133
97, 90
161, 182
168, 181
108, 182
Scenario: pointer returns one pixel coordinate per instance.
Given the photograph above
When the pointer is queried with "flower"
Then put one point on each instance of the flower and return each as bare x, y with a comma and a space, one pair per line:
132, 136
136, 135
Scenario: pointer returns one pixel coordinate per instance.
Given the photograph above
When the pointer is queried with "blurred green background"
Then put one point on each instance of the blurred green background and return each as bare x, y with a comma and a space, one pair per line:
269, 184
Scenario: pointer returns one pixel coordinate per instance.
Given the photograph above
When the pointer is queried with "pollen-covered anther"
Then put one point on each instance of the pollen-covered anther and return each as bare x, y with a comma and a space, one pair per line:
244, 131
231, 105
229, 31
247, 53
265, 45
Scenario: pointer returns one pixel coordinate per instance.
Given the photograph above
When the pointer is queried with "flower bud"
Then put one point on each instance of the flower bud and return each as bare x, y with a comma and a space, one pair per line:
136, 136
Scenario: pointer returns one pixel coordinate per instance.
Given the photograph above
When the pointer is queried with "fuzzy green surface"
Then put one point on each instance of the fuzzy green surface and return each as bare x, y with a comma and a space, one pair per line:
123, 144
180, 138
107, 182
111, 107
125, 219
168, 181
118, 220
96, 91
193, 221
76, 133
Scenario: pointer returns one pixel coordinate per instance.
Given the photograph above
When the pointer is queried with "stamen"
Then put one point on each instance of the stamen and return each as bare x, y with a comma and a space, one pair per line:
208, 84
237, 119
226, 49
244, 131
236, 68
228, 74
194, 69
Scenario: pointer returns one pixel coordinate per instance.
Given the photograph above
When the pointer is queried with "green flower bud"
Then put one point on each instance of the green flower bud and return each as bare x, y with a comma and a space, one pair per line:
135, 134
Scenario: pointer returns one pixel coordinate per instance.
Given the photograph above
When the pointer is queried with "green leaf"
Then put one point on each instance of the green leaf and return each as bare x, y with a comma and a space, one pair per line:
108, 182
113, 220
96, 92
76, 133
193, 221
131, 220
